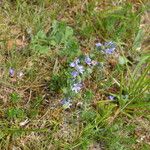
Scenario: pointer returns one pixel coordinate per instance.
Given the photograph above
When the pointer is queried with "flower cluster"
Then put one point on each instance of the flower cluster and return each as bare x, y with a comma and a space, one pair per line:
107, 47
78, 70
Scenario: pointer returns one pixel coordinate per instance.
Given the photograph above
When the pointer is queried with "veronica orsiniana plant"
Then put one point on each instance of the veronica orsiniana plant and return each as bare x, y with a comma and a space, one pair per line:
79, 67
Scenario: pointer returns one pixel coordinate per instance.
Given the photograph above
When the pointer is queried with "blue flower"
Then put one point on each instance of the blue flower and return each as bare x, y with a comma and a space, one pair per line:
88, 60
98, 45
75, 73
66, 103
76, 87
75, 63
80, 69
109, 50
109, 47
110, 97
11, 72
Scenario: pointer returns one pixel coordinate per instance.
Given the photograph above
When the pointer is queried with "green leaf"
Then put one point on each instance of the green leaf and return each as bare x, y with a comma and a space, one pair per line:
41, 49
138, 40
68, 33
39, 43
41, 35
122, 60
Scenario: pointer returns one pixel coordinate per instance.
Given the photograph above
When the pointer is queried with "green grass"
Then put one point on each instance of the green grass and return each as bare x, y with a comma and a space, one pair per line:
40, 39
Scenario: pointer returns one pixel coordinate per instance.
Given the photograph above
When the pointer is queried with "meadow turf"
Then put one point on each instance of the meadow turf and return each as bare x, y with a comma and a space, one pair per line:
74, 75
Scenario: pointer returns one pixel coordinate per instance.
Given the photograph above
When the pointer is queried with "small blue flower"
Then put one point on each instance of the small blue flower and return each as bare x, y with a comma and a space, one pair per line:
75, 63
66, 103
109, 47
72, 64
11, 72
75, 73
98, 45
76, 87
110, 97
80, 69
88, 60
109, 50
